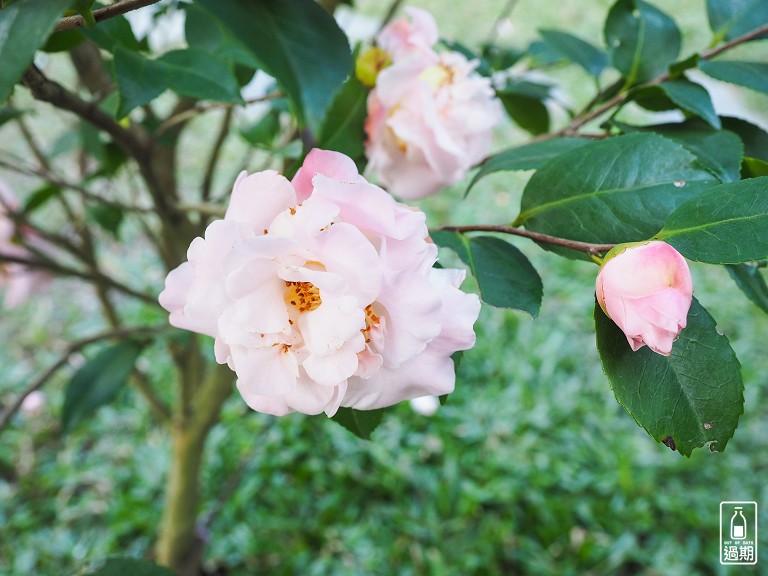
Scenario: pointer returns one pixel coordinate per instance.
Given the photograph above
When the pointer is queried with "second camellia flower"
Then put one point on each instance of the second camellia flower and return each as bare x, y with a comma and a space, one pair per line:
320, 293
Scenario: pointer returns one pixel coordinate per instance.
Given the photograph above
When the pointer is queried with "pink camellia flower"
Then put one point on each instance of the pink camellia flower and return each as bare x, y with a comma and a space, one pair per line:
320, 293
646, 289
430, 116
17, 280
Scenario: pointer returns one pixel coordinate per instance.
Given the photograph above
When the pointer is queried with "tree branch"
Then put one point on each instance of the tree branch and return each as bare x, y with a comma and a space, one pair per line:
589, 248
40, 381
213, 159
116, 9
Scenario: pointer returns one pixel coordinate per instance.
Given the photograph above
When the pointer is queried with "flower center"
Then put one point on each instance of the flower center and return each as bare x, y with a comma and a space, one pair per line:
305, 296
371, 320
437, 76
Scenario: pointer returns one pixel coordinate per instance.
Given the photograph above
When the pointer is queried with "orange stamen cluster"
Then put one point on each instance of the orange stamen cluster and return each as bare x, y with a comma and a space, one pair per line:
371, 320
304, 296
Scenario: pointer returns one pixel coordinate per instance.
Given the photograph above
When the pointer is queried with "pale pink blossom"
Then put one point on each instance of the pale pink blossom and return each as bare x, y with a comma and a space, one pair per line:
320, 293
17, 280
414, 36
646, 289
430, 116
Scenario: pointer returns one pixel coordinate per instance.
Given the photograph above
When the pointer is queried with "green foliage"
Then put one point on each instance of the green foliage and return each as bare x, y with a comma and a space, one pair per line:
343, 127
98, 381
24, 27
577, 50
749, 279
612, 191
506, 278
688, 399
292, 41
524, 102
361, 423
725, 225
753, 75
642, 40
731, 18
692, 98
130, 567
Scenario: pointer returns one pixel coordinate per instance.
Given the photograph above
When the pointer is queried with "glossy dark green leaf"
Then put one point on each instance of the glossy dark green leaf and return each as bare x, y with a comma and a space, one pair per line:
297, 42
688, 399
751, 281
343, 128
139, 80
692, 98
263, 132
205, 33
528, 112
201, 76
98, 381
40, 197
24, 27
63, 41
732, 18
642, 40
720, 151
130, 567
527, 157
576, 50
753, 75
727, 224
611, 191
361, 423
506, 278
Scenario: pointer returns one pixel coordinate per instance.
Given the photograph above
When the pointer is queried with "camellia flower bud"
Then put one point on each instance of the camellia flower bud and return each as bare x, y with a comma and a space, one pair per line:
646, 289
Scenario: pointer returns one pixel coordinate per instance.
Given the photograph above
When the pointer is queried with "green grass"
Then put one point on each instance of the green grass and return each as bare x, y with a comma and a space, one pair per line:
530, 468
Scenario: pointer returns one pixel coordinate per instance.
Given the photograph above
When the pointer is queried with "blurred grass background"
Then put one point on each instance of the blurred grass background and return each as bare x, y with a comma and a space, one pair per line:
530, 468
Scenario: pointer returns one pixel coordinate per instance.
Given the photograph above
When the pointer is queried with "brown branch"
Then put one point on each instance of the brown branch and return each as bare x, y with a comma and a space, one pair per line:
116, 9
587, 247
40, 381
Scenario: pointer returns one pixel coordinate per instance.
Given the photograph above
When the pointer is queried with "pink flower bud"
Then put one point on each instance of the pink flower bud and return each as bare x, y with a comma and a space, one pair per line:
646, 289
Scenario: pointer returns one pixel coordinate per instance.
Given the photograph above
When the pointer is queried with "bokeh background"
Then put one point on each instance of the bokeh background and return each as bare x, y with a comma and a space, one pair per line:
531, 467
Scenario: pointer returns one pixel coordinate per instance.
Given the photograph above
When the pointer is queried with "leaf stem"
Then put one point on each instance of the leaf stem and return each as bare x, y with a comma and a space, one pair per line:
116, 9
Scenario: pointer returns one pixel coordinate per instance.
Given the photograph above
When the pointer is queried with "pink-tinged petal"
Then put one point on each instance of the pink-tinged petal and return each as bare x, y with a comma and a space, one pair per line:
328, 163
274, 405
334, 369
311, 398
330, 326
258, 198
262, 311
403, 37
304, 221
459, 312
368, 363
271, 370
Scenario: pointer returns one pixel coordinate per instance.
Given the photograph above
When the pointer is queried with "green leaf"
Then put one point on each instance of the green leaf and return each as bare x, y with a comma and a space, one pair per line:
24, 27
731, 18
692, 98
688, 399
107, 216
528, 112
753, 75
114, 32
343, 127
753, 167
7, 114
98, 381
720, 151
612, 191
297, 42
130, 567
755, 139
727, 224
39, 197
526, 157
749, 279
63, 41
642, 40
361, 423
506, 278
201, 76
576, 50
139, 80
205, 33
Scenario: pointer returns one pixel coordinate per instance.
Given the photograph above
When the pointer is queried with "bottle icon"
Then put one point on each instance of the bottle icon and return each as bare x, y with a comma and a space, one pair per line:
738, 524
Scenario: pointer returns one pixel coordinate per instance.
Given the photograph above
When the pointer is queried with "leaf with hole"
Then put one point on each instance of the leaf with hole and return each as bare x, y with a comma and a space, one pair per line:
688, 399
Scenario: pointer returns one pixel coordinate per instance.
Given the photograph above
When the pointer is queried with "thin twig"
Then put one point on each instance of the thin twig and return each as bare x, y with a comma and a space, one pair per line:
116, 9
394, 6
587, 247
213, 159
64, 270
39, 382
